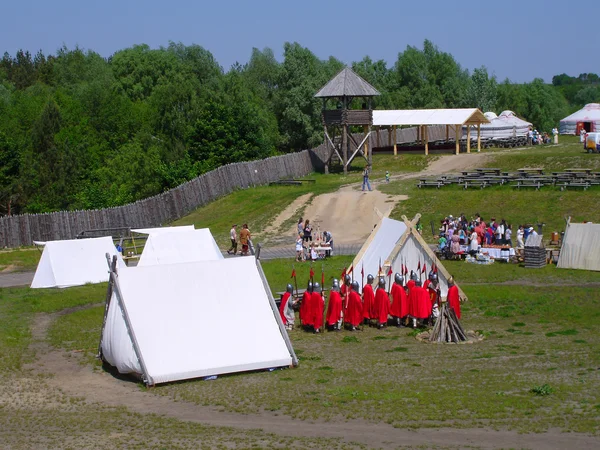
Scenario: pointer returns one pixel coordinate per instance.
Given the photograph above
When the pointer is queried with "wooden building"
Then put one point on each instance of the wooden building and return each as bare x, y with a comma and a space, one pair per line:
347, 108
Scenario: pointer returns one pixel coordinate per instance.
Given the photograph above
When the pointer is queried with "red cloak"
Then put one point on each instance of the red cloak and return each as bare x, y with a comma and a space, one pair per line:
426, 284
282, 306
353, 314
334, 309
382, 306
317, 307
368, 302
433, 296
306, 308
399, 306
418, 303
410, 284
454, 300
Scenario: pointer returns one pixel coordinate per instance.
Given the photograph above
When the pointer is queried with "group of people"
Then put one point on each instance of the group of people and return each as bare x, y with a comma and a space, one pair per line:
245, 240
306, 248
476, 232
534, 137
403, 304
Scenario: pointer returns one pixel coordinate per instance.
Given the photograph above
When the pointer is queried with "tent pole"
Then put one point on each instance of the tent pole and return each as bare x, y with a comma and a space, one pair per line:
112, 267
426, 136
395, 140
136, 348
456, 128
468, 138
478, 137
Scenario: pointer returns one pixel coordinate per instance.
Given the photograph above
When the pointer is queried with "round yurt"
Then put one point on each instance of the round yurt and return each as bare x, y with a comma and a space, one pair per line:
506, 125
587, 118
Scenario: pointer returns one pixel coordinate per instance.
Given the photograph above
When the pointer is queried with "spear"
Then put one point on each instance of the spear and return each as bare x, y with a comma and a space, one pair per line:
389, 278
362, 275
295, 280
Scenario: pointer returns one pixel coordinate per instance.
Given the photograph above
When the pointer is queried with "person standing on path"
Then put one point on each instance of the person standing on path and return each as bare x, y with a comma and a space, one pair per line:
245, 239
366, 173
233, 237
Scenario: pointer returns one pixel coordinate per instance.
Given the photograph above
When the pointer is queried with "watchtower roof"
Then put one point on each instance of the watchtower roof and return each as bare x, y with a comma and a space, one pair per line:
347, 84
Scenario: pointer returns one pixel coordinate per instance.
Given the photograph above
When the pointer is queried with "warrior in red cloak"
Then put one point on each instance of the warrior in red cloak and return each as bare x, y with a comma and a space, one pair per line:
334, 317
399, 308
382, 304
453, 297
368, 300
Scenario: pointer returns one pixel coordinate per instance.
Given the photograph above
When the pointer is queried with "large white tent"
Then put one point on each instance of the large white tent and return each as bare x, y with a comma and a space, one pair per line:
177, 247
506, 125
587, 118
378, 245
581, 247
179, 321
161, 230
75, 262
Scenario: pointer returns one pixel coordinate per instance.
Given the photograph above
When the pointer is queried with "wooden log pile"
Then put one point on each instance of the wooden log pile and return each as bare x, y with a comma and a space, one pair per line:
447, 328
535, 253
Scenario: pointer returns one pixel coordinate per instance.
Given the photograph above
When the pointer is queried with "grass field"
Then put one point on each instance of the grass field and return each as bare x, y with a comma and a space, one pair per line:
537, 369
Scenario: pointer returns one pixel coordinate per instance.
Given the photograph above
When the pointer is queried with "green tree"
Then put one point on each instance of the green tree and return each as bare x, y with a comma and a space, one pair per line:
482, 90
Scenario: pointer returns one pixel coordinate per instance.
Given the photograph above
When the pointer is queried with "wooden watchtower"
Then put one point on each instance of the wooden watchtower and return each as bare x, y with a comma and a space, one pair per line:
350, 97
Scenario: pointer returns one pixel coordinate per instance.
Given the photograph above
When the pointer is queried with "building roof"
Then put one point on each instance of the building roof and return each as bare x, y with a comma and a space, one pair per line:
347, 84
589, 113
466, 116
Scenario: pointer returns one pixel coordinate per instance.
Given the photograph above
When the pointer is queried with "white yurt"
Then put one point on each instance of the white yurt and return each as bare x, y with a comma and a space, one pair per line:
587, 118
506, 125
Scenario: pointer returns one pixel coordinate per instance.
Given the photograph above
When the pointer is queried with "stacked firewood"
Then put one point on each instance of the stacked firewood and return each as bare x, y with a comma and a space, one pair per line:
447, 328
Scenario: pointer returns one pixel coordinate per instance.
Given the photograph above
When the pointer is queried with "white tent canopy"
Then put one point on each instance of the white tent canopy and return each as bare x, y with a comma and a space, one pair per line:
180, 321
581, 247
587, 117
161, 230
506, 125
177, 247
404, 117
75, 262
377, 247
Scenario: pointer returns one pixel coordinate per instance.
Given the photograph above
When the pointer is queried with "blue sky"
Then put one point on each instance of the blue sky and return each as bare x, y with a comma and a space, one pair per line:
520, 40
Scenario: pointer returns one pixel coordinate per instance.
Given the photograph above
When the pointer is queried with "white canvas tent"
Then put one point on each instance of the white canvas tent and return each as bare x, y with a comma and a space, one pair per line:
587, 118
161, 230
75, 262
377, 247
506, 125
179, 321
581, 247
177, 247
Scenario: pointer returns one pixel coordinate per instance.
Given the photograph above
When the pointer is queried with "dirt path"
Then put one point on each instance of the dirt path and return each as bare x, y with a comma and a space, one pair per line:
78, 380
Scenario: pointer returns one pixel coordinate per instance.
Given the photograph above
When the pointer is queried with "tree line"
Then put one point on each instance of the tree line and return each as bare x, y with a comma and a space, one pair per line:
79, 131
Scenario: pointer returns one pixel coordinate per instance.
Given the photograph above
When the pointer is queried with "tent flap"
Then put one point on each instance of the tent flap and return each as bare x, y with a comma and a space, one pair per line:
581, 247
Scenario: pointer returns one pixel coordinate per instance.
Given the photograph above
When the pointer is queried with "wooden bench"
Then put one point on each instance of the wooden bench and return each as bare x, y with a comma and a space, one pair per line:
430, 183
475, 183
286, 182
579, 170
585, 186
526, 170
527, 183
493, 171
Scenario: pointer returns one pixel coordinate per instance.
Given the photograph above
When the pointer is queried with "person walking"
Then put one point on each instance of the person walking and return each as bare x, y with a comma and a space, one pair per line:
233, 237
366, 173
245, 239
307, 231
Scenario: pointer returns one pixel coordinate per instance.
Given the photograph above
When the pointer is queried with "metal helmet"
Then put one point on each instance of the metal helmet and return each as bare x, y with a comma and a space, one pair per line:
451, 281
335, 286
289, 288
370, 279
347, 279
398, 278
432, 275
309, 287
418, 283
355, 286
382, 282
317, 287
413, 275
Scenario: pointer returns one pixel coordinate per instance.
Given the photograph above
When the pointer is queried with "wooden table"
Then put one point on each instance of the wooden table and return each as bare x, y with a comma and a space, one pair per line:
587, 171
538, 170
493, 171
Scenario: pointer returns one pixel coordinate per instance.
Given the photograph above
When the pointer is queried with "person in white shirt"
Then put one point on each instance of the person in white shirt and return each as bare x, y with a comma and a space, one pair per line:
508, 235
474, 245
233, 237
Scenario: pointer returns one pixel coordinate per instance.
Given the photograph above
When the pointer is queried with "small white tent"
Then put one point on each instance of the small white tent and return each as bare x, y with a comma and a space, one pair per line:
179, 321
178, 247
587, 118
581, 247
506, 125
75, 262
377, 247
161, 230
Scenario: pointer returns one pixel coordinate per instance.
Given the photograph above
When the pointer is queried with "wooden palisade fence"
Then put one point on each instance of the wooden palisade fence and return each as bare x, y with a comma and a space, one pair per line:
22, 230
